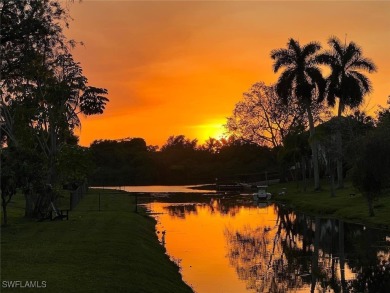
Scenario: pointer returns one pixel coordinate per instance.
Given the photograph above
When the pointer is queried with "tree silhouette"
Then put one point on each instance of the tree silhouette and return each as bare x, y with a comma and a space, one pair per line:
301, 81
263, 119
346, 83
43, 90
372, 170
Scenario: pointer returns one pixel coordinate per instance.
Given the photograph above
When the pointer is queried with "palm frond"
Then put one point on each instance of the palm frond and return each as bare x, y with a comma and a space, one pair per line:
284, 86
294, 46
346, 82
351, 54
318, 81
278, 53
333, 80
335, 43
285, 60
364, 64
326, 58
304, 91
331, 96
352, 91
310, 49
363, 81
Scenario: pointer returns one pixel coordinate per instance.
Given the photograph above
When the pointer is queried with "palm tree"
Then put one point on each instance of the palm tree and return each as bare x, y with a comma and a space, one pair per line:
345, 82
301, 81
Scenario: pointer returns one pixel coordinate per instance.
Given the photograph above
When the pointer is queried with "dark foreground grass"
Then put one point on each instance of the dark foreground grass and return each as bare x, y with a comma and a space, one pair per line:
348, 204
113, 250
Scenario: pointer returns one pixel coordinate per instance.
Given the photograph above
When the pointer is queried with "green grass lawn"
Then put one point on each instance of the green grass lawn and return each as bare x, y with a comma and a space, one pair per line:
112, 250
343, 205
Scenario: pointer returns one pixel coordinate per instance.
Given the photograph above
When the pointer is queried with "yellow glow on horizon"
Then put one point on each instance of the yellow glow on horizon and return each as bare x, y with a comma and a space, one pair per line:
209, 130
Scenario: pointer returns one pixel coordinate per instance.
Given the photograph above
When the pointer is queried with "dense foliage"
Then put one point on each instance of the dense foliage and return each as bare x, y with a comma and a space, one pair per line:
180, 161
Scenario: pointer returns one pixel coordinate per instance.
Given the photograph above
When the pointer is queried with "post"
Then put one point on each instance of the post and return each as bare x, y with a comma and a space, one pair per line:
136, 203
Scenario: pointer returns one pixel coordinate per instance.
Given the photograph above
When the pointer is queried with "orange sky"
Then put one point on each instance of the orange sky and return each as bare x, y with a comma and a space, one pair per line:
179, 67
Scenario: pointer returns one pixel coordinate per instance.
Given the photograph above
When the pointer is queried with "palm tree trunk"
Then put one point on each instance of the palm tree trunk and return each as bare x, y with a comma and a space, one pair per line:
314, 148
340, 179
331, 175
339, 142
303, 169
332, 193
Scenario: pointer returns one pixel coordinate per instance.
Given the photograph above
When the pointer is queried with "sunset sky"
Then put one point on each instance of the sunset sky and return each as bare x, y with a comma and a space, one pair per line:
179, 67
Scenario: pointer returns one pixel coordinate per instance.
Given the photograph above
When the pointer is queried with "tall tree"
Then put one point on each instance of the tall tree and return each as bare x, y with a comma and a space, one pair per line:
372, 168
263, 119
346, 83
42, 88
301, 81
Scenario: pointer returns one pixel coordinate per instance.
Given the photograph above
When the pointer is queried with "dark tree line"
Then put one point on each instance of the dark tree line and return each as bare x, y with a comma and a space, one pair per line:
179, 161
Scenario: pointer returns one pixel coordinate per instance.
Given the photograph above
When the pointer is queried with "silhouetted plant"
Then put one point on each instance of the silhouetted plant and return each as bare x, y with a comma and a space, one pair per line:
372, 169
41, 80
301, 80
346, 82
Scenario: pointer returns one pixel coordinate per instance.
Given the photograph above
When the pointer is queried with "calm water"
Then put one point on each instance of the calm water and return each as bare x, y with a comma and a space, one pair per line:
231, 244
158, 188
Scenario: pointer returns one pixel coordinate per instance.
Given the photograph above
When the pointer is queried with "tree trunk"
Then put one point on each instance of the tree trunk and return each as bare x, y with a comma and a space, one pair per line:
332, 193
5, 217
331, 176
303, 168
339, 141
314, 149
339, 162
29, 208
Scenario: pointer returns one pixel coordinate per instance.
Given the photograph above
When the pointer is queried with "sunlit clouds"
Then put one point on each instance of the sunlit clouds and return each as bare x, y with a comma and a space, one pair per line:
178, 67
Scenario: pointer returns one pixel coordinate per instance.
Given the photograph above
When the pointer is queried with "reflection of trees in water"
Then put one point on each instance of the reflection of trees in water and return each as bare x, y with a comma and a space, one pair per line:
180, 211
224, 207
375, 278
249, 253
299, 251
261, 259
220, 206
372, 267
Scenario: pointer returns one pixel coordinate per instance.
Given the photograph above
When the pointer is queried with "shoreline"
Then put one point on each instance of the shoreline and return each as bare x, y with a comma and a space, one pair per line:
348, 204
343, 206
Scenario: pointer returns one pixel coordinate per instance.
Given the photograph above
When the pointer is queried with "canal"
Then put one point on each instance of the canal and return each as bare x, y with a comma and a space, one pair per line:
230, 243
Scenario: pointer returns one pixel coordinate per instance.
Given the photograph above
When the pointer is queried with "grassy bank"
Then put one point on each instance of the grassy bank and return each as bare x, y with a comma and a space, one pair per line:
112, 250
348, 204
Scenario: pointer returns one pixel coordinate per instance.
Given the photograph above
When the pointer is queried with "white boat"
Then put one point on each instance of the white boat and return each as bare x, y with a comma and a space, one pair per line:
262, 193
